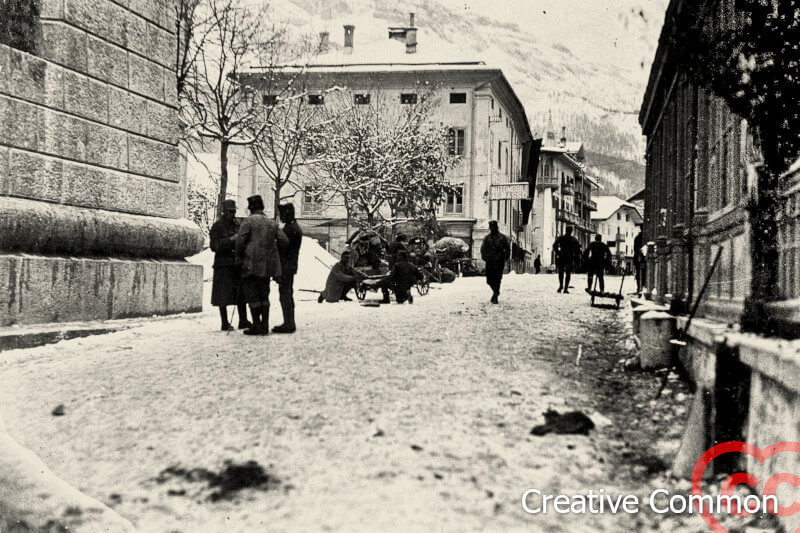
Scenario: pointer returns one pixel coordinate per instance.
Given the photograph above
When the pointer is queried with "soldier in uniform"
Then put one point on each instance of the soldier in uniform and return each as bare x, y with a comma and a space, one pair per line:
226, 286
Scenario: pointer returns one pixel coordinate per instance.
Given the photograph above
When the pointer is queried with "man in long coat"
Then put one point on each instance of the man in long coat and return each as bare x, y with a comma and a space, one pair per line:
289, 254
495, 251
226, 286
257, 245
568, 254
598, 256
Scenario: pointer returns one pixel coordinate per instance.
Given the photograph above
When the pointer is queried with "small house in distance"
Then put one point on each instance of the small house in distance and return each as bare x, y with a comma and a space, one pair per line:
618, 221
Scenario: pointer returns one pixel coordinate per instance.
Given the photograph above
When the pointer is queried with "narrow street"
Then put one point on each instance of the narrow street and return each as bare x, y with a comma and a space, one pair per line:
404, 418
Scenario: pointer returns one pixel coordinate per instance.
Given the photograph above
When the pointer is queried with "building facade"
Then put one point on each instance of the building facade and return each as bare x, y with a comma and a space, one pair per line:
618, 221
489, 131
563, 196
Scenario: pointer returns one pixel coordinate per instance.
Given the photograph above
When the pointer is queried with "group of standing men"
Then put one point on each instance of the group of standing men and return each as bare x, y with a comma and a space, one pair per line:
248, 255
568, 257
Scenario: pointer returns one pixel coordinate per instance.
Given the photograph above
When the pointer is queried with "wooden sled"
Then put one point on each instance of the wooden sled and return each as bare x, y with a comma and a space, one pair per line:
616, 296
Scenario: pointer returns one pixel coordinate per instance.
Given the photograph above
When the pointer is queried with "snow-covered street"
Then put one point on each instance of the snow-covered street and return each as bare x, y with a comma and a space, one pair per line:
412, 418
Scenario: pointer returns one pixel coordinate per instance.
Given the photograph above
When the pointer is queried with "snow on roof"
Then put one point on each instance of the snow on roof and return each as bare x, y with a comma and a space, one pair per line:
571, 147
608, 205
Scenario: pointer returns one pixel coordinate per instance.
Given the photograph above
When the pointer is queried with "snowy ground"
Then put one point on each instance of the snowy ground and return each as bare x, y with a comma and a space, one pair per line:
403, 418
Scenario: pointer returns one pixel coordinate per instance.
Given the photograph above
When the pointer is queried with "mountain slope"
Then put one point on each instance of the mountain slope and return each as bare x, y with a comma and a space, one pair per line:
580, 62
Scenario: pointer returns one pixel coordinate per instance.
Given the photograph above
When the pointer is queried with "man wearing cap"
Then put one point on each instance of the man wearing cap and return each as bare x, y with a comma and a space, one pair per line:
289, 253
226, 286
341, 279
568, 255
257, 245
495, 251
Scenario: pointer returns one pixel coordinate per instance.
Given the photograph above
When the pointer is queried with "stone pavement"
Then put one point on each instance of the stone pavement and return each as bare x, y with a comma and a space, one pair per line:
412, 418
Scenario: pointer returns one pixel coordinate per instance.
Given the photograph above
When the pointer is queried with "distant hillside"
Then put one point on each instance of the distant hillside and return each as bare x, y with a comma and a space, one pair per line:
583, 62
616, 177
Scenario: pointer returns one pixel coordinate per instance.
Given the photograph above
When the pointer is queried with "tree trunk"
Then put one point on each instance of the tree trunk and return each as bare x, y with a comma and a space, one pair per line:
223, 176
276, 203
764, 246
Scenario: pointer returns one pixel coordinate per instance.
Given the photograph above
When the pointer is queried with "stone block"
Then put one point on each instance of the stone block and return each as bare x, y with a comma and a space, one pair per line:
656, 329
64, 44
170, 88
37, 289
128, 111
25, 76
164, 198
104, 189
4, 178
33, 175
52, 9
160, 46
107, 62
21, 124
100, 17
162, 123
145, 77
153, 158
106, 146
54, 86
85, 97
136, 28
5, 67
149, 9
64, 135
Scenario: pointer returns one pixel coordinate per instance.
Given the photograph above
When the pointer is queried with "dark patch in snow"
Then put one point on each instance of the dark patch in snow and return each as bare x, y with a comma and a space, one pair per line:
233, 478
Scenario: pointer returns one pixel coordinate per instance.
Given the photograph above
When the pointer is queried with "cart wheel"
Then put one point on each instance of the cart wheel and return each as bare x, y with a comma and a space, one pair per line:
361, 292
423, 287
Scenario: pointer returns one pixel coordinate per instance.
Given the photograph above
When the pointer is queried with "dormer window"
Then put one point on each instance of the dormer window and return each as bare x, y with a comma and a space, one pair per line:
408, 98
458, 98
316, 99
361, 99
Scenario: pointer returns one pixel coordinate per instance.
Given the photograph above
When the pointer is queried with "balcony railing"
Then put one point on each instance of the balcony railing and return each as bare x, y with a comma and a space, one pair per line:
567, 189
591, 204
547, 181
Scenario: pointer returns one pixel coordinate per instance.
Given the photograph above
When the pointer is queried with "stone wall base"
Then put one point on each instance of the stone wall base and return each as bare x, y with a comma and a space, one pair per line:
37, 289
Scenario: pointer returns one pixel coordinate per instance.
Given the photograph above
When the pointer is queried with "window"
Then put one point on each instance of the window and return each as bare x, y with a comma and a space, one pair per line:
500, 112
506, 158
455, 201
269, 100
311, 200
627, 217
499, 154
456, 140
492, 102
458, 98
316, 99
548, 168
408, 98
361, 99
619, 217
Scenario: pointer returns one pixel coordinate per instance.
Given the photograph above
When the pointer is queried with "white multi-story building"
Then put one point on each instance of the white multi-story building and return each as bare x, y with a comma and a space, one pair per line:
618, 221
563, 198
487, 121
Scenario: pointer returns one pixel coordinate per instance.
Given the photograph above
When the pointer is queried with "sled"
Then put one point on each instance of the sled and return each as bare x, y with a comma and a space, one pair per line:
616, 296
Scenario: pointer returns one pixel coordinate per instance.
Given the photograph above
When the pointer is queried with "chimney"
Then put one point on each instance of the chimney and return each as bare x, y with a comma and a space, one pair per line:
348, 38
411, 36
324, 42
563, 135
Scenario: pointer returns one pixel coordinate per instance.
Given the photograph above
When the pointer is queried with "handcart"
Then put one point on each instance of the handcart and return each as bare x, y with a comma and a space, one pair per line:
616, 296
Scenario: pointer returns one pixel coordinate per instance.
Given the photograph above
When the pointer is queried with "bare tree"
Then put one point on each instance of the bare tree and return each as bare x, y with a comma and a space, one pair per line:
217, 105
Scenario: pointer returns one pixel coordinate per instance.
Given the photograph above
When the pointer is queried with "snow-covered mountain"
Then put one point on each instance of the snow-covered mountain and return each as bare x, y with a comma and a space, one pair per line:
583, 62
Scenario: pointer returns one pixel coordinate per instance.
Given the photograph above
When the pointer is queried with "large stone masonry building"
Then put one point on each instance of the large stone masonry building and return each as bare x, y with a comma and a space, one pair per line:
91, 195
490, 132
702, 168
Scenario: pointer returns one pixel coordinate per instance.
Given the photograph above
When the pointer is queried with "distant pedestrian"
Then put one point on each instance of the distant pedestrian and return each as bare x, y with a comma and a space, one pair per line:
289, 253
495, 251
568, 253
598, 257
226, 285
537, 264
403, 277
341, 279
257, 245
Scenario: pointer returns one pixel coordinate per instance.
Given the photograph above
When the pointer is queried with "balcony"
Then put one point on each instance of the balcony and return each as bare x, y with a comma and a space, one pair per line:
591, 204
567, 189
547, 181
569, 217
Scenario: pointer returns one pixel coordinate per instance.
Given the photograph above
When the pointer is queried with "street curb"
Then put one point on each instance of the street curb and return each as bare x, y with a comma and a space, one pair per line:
30, 337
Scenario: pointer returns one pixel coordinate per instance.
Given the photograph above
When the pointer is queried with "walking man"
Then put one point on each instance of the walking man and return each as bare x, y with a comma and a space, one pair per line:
537, 264
495, 251
226, 286
638, 261
568, 252
598, 256
257, 245
289, 254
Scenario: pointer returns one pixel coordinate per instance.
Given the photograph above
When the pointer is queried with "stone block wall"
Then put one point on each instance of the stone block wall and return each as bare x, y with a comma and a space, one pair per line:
89, 159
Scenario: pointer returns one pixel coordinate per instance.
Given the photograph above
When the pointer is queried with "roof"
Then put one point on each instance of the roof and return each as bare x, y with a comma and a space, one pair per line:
608, 205
638, 197
571, 147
